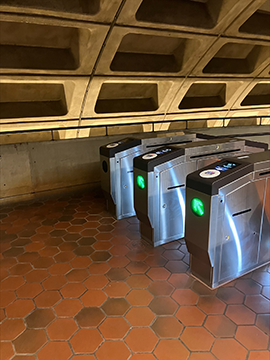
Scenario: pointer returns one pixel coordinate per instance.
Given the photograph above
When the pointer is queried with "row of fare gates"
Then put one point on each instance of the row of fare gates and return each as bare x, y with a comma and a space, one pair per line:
214, 193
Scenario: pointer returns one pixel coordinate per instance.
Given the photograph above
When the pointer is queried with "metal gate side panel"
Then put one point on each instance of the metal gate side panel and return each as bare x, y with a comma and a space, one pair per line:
126, 196
215, 236
264, 253
172, 201
243, 210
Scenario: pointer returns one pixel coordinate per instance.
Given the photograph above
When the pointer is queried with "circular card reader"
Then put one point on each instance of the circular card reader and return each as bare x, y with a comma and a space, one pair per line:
149, 156
112, 145
209, 173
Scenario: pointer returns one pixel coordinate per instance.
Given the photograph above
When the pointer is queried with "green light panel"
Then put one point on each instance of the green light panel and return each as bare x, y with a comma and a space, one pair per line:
197, 207
140, 182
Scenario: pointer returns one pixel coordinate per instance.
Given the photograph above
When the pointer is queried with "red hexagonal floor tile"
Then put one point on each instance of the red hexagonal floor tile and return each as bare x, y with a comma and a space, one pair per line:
68, 307
93, 298
197, 339
141, 340
19, 308
117, 289
258, 303
47, 298
211, 305
54, 282
202, 356
167, 327
163, 306
86, 341
55, 350
12, 283
240, 314
62, 329
181, 281
11, 328
171, 350
225, 349
73, 290
140, 316
6, 298
158, 273
114, 328
252, 337
139, 297
185, 297
30, 341
113, 350
258, 355
190, 315
220, 326
6, 351
142, 357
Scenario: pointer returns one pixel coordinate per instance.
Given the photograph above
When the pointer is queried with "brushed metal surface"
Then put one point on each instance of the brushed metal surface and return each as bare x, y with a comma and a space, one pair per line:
264, 249
235, 231
168, 213
241, 232
117, 183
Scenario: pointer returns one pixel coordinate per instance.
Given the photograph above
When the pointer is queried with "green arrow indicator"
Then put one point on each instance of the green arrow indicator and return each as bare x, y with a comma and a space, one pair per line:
140, 182
197, 207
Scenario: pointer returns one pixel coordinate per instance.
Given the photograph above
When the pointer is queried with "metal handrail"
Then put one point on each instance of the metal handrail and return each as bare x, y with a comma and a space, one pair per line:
153, 123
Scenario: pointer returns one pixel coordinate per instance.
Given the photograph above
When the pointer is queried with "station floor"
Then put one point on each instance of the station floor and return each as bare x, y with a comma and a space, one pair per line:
77, 284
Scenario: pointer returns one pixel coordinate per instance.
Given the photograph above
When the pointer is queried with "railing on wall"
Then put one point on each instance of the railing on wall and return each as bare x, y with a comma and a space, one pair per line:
54, 133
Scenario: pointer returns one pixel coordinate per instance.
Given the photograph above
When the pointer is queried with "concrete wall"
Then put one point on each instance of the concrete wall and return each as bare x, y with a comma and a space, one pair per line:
35, 169
30, 169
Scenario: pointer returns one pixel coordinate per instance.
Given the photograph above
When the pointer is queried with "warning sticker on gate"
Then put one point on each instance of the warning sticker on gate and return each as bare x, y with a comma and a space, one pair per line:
149, 156
210, 173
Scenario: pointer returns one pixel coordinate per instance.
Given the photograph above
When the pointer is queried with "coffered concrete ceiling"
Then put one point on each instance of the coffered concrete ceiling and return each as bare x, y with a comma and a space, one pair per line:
86, 62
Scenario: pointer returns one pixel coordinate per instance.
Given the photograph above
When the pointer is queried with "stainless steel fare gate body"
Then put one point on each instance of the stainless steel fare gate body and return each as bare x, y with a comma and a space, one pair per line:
160, 204
228, 230
116, 161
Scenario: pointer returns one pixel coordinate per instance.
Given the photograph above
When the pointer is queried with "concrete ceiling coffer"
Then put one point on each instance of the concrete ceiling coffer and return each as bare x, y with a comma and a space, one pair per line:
210, 96
237, 58
253, 21
258, 96
40, 102
59, 47
125, 97
24, 100
204, 16
147, 52
254, 98
201, 95
91, 10
258, 23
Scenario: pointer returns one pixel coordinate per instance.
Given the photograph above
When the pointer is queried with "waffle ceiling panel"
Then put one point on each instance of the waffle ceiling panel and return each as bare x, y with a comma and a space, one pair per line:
88, 62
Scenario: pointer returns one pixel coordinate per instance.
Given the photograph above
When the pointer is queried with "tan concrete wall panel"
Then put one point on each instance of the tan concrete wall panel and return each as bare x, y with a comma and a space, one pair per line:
15, 170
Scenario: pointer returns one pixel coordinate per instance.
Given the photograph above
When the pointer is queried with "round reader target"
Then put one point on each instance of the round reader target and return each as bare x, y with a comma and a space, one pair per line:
112, 145
209, 173
149, 156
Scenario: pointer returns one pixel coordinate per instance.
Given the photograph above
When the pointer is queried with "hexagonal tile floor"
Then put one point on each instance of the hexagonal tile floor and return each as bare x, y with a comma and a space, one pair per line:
77, 284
